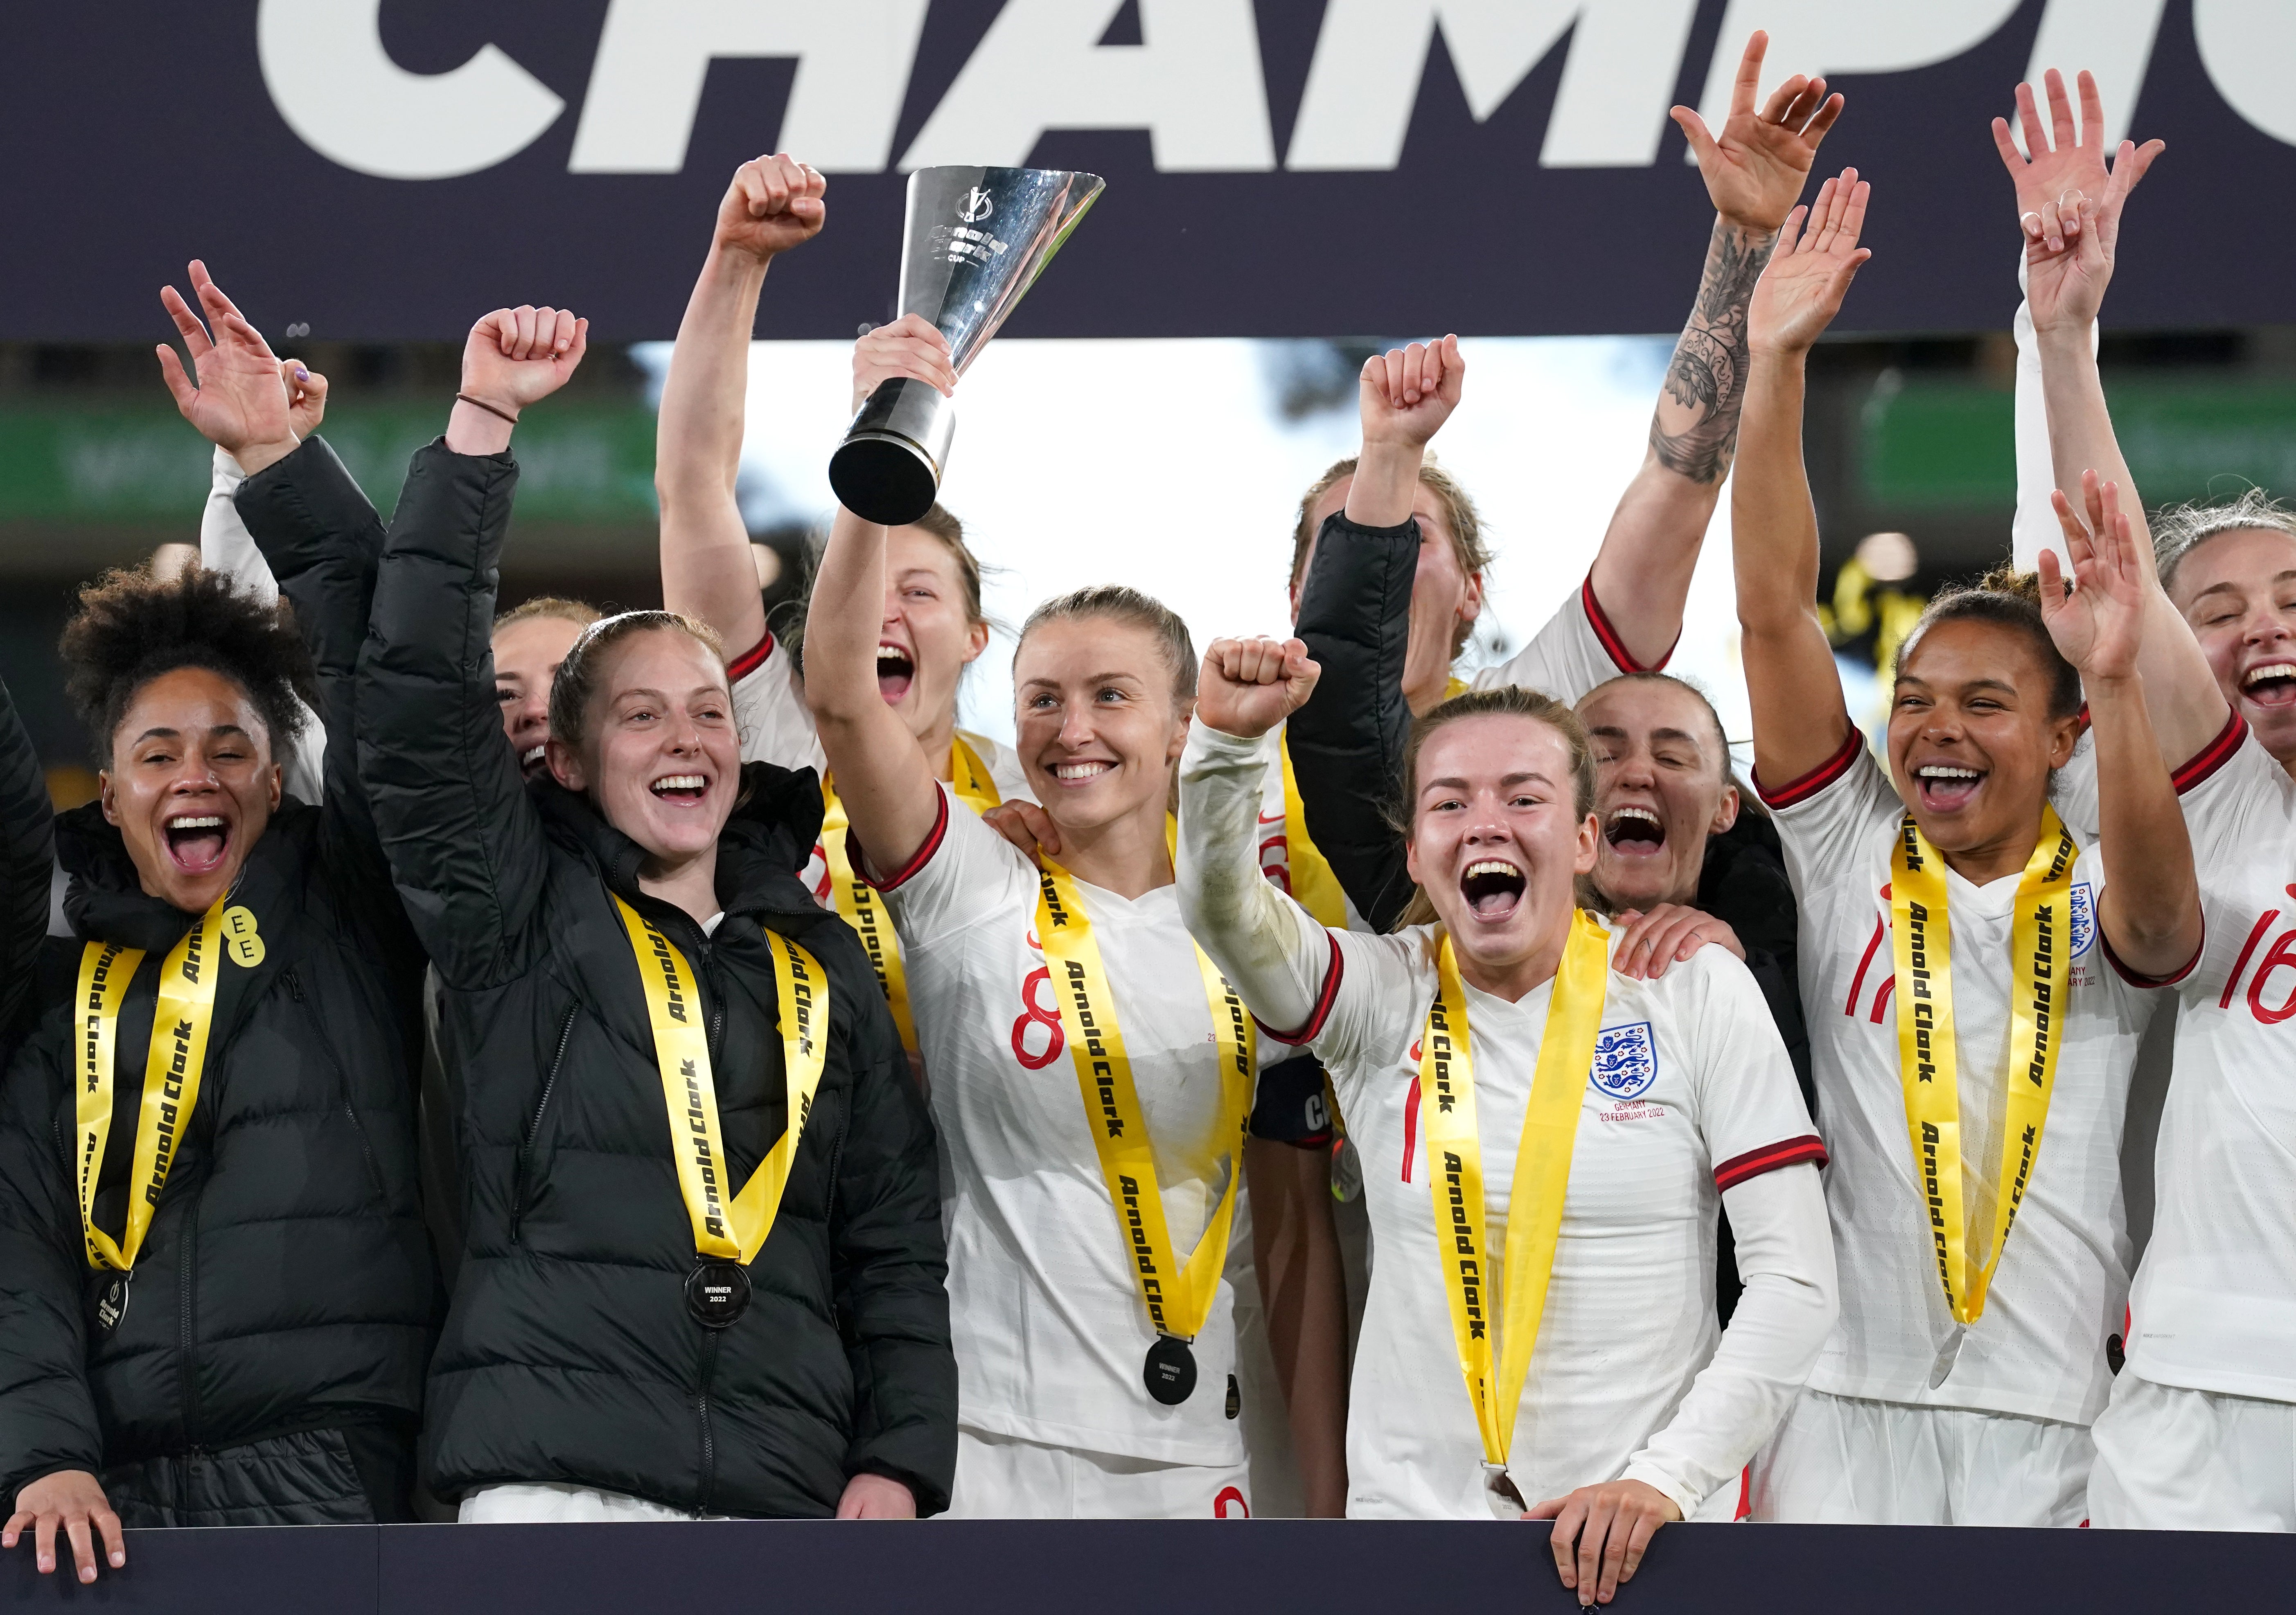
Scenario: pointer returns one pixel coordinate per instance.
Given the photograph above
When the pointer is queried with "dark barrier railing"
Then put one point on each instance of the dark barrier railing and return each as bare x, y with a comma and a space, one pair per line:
1150, 1567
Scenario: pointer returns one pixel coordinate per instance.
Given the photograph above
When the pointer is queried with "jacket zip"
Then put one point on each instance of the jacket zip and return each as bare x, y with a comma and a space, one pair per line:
342, 1079
534, 1128
186, 1284
702, 1411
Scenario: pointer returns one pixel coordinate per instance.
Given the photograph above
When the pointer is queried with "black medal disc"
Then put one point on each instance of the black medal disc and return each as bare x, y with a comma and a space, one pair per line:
1171, 1371
111, 1305
718, 1293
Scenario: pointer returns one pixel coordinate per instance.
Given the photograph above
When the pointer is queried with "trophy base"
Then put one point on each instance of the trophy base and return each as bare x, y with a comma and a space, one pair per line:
888, 471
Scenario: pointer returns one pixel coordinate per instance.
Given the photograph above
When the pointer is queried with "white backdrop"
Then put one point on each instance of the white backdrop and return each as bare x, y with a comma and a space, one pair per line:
1169, 465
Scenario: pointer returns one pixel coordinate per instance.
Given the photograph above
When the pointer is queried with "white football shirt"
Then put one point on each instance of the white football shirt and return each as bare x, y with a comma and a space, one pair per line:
2214, 1304
1047, 1320
776, 728
1576, 651
2039, 1350
1691, 1094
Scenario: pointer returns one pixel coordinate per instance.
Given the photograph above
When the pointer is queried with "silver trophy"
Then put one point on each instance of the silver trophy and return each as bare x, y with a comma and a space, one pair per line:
975, 241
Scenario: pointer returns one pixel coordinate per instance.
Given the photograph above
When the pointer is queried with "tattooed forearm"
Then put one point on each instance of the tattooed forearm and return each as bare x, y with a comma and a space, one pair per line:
1694, 429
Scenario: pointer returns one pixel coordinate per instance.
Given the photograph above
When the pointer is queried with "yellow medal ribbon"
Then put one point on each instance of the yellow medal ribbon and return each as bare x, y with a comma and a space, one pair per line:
1542, 1172
1179, 1299
179, 1051
860, 904
1922, 944
1456, 686
1314, 886
728, 1226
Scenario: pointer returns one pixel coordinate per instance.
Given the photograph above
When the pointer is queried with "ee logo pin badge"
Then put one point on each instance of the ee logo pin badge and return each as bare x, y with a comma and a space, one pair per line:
241, 941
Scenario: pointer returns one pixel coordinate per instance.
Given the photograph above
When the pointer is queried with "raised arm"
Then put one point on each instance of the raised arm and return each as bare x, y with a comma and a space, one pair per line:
464, 843
882, 777
1754, 171
1800, 719
1264, 942
772, 205
2069, 209
2150, 909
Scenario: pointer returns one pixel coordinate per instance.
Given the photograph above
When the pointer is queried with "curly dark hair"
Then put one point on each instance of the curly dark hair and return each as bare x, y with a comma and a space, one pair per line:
131, 627
2010, 598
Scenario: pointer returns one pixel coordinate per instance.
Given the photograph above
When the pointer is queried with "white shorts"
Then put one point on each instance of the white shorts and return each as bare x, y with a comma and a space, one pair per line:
1005, 1478
1847, 1461
2169, 1459
551, 1503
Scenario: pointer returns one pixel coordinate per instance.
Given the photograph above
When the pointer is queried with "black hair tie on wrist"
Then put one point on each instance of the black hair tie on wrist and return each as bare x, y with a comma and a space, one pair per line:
463, 398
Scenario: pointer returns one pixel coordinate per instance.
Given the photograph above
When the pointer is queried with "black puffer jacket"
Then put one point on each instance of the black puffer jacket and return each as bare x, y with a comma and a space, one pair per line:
286, 1283
570, 1354
27, 852
1347, 747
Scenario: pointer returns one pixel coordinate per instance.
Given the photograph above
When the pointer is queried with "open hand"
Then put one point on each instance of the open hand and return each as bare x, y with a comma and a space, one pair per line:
1406, 394
518, 356
238, 402
1818, 257
774, 204
1755, 170
1248, 686
1664, 934
307, 396
910, 346
74, 1500
2096, 616
1601, 1533
2061, 164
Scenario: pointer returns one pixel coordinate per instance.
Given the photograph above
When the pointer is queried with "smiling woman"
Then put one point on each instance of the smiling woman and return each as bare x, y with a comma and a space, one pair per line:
701, 1180
223, 1320
1525, 1108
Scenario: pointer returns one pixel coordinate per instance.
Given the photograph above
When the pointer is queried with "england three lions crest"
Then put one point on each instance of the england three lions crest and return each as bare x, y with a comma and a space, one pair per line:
2084, 918
1625, 1060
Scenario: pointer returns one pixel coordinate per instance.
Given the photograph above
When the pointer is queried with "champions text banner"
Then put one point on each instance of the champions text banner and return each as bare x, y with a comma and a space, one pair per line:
374, 169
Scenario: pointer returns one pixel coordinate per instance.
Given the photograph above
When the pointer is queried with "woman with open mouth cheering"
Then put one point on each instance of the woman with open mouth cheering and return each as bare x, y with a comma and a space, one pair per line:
932, 626
1977, 994
219, 1294
1545, 1141
1091, 1071
702, 1257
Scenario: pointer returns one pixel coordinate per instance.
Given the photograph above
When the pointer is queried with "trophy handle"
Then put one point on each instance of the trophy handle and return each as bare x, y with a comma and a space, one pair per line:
888, 471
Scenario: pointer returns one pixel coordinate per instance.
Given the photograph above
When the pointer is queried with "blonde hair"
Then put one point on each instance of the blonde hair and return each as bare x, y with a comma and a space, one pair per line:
1468, 542
2179, 529
555, 607
1115, 602
1511, 701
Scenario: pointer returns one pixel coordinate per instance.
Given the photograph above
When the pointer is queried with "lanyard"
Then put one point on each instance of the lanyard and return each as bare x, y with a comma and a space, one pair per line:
1928, 1058
181, 1016
1313, 884
728, 1226
859, 903
1178, 1299
1542, 1172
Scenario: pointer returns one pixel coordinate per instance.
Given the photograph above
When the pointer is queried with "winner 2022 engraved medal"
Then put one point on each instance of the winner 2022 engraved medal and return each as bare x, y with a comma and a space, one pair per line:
1178, 1299
729, 1229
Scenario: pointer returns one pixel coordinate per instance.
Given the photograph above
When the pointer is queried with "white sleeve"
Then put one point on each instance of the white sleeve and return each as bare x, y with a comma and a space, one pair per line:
1279, 959
1576, 651
1785, 1256
776, 725
224, 544
1827, 819
2034, 527
963, 873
